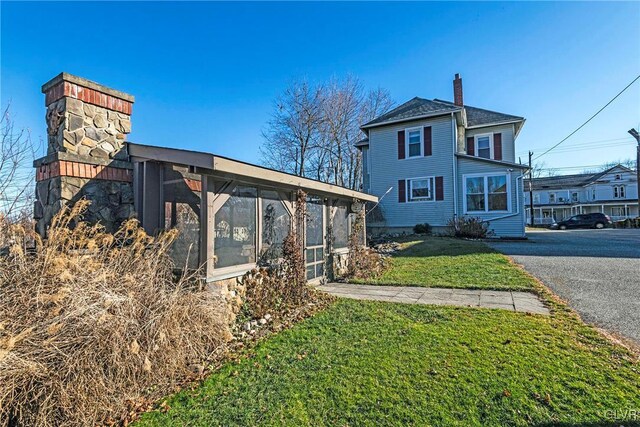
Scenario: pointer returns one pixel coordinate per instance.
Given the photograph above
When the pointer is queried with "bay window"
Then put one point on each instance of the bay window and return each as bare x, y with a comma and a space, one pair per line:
487, 193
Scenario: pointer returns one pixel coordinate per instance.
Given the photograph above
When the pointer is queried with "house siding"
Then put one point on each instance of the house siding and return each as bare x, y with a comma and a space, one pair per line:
385, 169
508, 146
514, 224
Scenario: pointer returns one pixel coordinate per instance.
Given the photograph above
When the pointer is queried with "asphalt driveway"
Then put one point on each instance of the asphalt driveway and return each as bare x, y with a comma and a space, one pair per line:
596, 271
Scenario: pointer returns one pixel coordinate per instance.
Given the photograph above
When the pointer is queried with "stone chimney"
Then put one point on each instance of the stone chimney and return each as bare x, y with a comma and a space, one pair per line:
87, 124
457, 91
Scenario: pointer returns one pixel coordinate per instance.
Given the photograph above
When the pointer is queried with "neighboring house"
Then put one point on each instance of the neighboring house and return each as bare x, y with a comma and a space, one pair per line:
433, 160
613, 192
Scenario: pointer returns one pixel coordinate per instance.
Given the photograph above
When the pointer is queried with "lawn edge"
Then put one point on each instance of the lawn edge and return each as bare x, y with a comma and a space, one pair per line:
560, 306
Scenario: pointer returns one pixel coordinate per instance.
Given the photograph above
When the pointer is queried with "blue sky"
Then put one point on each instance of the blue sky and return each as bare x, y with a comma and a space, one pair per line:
205, 74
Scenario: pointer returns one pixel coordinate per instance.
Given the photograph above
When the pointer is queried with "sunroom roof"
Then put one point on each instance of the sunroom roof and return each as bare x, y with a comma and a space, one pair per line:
208, 163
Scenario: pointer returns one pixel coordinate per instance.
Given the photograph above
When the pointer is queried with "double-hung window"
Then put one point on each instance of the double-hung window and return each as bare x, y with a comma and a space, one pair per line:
552, 197
414, 142
618, 192
420, 189
574, 197
487, 193
483, 146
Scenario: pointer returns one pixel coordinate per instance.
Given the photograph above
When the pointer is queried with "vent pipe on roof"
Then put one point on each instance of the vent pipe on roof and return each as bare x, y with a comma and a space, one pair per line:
457, 91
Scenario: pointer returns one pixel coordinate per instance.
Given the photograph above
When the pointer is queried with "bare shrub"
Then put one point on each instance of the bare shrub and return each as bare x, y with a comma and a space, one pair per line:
16, 171
283, 285
362, 263
469, 227
93, 325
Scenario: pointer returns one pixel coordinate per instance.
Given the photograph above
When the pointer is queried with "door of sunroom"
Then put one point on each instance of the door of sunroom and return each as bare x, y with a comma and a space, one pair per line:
314, 238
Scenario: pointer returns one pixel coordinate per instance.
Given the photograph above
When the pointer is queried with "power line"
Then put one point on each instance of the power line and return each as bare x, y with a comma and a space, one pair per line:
612, 141
592, 117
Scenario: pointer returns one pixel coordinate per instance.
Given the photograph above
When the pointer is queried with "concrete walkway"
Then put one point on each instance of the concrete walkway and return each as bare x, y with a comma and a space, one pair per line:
524, 302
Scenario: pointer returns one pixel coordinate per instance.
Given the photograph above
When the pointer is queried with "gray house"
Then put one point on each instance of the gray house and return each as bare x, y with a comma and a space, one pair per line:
432, 160
613, 192
229, 213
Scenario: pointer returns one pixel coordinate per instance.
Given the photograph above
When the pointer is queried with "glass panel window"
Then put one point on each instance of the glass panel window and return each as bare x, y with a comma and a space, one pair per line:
421, 189
487, 193
475, 194
497, 192
235, 229
484, 147
415, 143
340, 227
276, 223
552, 197
574, 197
181, 194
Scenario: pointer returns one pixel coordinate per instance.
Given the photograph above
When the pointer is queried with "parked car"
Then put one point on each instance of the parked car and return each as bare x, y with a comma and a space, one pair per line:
592, 220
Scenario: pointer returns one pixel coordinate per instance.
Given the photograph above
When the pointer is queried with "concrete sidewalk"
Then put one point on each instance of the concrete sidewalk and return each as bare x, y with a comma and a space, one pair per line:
524, 302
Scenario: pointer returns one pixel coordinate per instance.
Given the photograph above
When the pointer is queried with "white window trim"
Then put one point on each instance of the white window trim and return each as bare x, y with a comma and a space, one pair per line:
475, 142
406, 142
432, 190
486, 192
619, 192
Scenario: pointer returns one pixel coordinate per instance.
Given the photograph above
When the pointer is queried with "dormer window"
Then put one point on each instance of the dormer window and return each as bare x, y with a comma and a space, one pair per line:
414, 142
483, 146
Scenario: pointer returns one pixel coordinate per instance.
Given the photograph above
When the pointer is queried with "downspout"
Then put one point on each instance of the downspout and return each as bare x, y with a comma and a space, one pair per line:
454, 132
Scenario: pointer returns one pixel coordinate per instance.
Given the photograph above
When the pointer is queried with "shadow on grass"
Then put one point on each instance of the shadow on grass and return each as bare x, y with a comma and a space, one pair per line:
441, 246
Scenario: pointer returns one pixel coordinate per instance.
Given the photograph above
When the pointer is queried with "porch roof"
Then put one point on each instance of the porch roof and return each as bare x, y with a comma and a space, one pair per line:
211, 164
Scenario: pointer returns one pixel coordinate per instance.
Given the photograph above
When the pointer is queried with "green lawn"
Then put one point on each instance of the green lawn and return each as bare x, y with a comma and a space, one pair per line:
377, 364
362, 363
452, 263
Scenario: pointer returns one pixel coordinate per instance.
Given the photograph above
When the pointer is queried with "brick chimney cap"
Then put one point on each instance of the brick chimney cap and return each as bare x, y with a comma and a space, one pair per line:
66, 77
457, 75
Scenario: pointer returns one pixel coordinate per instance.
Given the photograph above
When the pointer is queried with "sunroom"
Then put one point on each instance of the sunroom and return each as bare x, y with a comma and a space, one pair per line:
232, 214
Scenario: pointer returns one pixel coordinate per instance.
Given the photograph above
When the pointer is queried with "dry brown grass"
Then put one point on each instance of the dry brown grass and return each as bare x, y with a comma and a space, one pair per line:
92, 324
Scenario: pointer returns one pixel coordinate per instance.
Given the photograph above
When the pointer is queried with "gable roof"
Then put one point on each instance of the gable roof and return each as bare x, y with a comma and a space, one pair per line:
481, 117
420, 108
413, 109
563, 181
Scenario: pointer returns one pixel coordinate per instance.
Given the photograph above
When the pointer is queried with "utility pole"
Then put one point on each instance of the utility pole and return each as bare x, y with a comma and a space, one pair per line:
531, 188
634, 133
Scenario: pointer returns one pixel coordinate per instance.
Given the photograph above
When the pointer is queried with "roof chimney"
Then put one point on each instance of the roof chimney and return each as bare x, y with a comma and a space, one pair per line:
457, 91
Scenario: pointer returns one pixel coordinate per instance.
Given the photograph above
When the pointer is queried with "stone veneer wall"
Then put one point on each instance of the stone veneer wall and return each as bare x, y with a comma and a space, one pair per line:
87, 157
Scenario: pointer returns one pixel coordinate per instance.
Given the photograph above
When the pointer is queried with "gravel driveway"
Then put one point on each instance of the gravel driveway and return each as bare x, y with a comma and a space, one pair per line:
596, 271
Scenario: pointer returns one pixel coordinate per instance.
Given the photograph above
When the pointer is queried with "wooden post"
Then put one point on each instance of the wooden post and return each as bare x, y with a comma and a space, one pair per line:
531, 187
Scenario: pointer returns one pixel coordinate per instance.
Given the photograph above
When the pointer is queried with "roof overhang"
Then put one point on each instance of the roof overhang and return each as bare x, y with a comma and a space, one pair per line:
207, 163
517, 122
495, 162
362, 143
409, 119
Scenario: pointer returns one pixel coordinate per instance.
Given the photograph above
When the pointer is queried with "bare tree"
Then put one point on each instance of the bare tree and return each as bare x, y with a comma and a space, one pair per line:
16, 170
314, 129
292, 133
628, 163
540, 170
